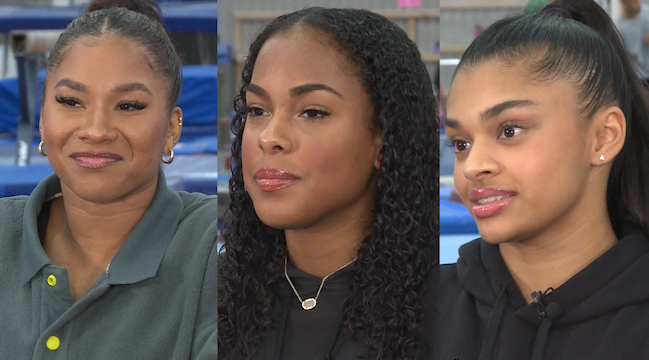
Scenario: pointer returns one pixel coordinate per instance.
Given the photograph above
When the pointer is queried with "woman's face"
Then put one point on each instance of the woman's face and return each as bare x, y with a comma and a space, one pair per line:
308, 154
522, 160
105, 121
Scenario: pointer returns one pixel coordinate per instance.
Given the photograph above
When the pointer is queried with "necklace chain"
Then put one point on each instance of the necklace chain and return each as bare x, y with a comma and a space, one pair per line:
310, 303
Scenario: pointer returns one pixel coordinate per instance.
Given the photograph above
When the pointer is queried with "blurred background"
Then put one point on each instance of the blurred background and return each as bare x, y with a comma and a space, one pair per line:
23, 54
240, 21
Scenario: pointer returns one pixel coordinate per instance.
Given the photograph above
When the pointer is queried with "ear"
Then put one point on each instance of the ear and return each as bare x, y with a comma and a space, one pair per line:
173, 129
40, 128
378, 149
609, 126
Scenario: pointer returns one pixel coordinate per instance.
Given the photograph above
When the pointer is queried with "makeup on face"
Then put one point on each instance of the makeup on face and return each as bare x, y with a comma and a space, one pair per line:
520, 158
104, 119
307, 148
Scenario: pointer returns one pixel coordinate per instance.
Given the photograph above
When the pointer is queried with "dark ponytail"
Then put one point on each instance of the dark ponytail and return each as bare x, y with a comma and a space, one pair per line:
577, 41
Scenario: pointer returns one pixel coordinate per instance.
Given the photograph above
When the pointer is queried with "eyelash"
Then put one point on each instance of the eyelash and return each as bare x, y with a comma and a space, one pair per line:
501, 128
250, 111
319, 114
133, 105
124, 106
453, 144
509, 125
67, 101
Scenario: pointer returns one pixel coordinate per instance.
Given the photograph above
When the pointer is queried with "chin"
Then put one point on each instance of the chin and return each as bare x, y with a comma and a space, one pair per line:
496, 233
282, 219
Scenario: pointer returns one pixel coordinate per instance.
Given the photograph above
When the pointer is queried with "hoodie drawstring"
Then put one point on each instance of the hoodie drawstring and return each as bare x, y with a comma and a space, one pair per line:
541, 336
486, 352
550, 312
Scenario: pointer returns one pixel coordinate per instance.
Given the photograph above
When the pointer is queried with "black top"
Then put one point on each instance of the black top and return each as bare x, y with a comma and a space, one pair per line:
313, 334
601, 313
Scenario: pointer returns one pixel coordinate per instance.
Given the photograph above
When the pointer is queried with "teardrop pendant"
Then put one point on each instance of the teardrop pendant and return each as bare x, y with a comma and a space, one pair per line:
309, 303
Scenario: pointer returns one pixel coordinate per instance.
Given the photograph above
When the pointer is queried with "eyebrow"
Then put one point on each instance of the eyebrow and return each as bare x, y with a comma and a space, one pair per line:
307, 88
493, 111
497, 109
129, 87
257, 90
296, 91
119, 88
74, 85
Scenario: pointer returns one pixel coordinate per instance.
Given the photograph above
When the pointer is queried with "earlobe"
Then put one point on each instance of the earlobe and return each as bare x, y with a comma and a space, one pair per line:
378, 156
610, 134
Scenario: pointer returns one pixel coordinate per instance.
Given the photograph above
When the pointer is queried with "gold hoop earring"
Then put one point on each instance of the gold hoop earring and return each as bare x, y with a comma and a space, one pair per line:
171, 158
40, 149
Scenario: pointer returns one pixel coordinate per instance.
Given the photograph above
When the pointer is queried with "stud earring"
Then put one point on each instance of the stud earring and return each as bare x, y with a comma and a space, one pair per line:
171, 158
40, 149
601, 157
180, 121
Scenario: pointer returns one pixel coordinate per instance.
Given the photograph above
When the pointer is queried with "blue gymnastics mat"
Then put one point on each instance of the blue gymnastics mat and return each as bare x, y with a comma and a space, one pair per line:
195, 173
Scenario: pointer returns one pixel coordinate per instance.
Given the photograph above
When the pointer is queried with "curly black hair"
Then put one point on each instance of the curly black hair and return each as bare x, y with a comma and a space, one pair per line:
396, 260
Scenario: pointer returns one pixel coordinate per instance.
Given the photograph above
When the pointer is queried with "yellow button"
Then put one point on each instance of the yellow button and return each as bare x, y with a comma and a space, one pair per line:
53, 343
51, 280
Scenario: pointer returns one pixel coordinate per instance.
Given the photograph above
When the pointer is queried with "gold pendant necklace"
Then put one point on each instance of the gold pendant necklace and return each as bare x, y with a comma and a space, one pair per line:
310, 303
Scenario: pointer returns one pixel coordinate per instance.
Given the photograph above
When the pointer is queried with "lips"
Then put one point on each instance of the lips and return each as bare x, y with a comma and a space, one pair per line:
489, 201
271, 179
94, 160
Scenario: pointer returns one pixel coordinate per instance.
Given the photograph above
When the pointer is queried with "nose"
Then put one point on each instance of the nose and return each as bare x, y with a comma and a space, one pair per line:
276, 135
479, 163
97, 127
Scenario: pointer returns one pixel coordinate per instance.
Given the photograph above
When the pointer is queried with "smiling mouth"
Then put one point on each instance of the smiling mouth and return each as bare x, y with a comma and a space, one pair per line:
492, 199
95, 160
491, 206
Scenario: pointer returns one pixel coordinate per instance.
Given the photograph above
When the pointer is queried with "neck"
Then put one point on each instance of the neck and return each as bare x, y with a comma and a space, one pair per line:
92, 233
323, 250
552, 258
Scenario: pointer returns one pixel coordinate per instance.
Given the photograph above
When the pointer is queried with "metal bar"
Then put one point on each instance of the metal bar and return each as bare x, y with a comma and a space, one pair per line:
27, 88
5, 54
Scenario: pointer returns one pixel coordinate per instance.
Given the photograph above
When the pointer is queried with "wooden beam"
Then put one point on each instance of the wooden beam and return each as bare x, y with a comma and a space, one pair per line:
453, 49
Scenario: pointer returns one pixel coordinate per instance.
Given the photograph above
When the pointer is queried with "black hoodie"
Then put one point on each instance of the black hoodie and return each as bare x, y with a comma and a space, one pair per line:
602, 313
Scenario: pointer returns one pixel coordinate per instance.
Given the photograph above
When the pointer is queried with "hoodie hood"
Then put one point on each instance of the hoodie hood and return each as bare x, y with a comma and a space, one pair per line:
618, 278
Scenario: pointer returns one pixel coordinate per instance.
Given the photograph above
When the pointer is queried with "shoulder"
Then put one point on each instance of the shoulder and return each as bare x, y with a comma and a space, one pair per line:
448, 272
448, 277
11, 218
11, 208
198, 220
13, 202
195, 199
198, 205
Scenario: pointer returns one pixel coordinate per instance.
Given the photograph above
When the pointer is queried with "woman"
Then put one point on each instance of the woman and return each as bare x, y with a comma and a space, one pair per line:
333, 236
103, 260
551, 135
